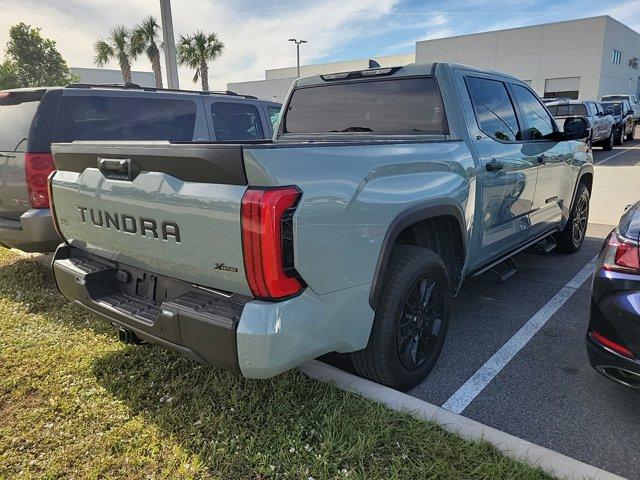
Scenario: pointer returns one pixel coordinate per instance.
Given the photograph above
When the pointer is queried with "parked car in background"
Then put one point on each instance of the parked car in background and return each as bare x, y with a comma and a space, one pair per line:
613, 338
600, 124
382, 191
624, 124
31, 119
632, 99
555, 99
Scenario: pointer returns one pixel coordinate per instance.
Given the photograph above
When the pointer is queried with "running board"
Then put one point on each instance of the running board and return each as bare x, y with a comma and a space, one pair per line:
546, 245
505, 270
488, 266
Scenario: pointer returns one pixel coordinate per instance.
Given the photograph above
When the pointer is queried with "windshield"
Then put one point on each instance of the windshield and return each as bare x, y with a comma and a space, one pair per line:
616, 107
16, 114
390, 106
567, 109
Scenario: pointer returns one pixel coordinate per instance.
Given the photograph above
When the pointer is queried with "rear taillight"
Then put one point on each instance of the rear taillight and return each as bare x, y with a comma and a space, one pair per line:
611, 345
37, 168
621, 255
267, 242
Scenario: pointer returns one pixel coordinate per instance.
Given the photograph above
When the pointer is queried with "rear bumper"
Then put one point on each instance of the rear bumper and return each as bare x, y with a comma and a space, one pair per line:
34, 232
615, 313
258, 339
620, 369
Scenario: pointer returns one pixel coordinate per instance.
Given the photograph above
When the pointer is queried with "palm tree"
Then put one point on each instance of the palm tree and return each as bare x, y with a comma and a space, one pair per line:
117, 47
196, 50
144, 38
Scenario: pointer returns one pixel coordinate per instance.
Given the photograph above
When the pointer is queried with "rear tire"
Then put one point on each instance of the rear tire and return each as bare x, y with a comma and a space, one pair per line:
572, 237
607, 144
411, 320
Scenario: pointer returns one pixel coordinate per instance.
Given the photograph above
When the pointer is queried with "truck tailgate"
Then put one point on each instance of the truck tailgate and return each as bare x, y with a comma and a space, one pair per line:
172, 211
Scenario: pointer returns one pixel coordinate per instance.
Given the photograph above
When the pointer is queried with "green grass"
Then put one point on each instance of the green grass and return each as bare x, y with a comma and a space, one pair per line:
76, 403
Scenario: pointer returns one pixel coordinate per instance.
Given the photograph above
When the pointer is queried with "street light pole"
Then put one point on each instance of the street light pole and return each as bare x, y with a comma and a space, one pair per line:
298, 43
170, 57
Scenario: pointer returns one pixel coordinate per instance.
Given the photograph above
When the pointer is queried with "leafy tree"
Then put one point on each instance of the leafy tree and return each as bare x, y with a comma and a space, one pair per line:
145, 39
116, 47
8, 77
196, 50
32, 61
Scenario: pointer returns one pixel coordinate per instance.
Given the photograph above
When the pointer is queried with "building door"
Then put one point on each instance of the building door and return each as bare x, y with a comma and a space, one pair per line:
567, 87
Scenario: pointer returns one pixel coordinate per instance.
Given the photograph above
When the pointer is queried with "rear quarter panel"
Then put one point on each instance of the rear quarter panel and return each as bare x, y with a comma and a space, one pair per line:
351, 195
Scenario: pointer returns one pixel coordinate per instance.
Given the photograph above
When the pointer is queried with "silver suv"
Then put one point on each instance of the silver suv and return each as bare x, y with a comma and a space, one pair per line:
599, 122
31, 119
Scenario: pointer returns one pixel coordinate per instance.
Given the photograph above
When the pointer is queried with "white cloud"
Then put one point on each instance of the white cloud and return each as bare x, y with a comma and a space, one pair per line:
255, 37
255, 32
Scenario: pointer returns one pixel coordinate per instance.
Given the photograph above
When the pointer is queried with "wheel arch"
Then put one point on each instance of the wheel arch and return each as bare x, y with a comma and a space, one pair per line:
438, 212
585, 176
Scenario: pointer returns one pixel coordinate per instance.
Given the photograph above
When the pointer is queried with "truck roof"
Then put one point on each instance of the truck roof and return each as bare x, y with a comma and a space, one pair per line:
133, 87
409, 70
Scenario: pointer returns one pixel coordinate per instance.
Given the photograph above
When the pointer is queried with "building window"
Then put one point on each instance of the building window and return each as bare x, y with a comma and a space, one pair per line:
633, 63
616, 56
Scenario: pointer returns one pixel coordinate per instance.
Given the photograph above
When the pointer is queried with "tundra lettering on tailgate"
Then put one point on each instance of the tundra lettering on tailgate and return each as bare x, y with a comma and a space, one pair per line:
130, 224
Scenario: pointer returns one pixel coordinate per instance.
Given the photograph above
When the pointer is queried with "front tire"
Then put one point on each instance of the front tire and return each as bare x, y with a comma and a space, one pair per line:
632, 134
619, 138
571, 238
411, 320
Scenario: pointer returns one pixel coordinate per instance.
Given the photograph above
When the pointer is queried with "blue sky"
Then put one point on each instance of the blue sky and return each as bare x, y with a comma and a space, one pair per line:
255, 32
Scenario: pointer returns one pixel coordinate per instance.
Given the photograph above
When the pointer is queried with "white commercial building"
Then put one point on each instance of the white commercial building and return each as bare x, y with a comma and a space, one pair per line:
584, 59
277, 81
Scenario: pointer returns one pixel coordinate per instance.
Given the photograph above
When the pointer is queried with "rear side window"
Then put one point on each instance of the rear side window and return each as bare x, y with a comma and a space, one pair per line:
493, 108
236, 121
274, 115
16, 114
390, 106
539, 122
567, 110
125, 118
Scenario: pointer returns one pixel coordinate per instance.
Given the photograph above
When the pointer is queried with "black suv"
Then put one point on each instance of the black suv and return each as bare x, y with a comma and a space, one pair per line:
624, 123
32, 119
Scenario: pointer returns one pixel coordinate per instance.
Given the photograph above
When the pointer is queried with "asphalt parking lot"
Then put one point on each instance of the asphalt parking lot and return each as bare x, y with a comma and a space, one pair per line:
536, 382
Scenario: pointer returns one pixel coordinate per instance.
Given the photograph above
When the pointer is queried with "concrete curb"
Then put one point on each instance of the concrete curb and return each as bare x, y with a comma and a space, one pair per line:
553, 463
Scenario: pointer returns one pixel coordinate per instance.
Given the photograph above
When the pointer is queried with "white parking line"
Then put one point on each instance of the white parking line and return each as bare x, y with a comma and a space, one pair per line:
472, 387
616, 154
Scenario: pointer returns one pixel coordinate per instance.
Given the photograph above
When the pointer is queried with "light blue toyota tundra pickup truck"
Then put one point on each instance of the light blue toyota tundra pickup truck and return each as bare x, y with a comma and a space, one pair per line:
350, 232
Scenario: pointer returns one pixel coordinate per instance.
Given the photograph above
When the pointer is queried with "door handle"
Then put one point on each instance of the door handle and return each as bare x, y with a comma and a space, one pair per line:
115, 168
494, 165
7, 155
542, 159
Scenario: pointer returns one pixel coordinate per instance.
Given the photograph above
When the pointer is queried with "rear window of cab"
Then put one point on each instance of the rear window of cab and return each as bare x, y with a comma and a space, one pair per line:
393, 106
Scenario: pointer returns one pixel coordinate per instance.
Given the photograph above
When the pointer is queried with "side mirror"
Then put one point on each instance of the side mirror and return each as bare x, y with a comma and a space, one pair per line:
576, 128
630, 112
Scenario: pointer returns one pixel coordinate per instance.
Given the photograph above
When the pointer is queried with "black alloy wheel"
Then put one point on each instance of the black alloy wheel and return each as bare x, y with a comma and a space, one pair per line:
580, 219
420, 323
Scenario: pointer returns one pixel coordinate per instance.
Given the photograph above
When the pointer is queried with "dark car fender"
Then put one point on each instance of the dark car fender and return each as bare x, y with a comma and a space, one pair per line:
425, 210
